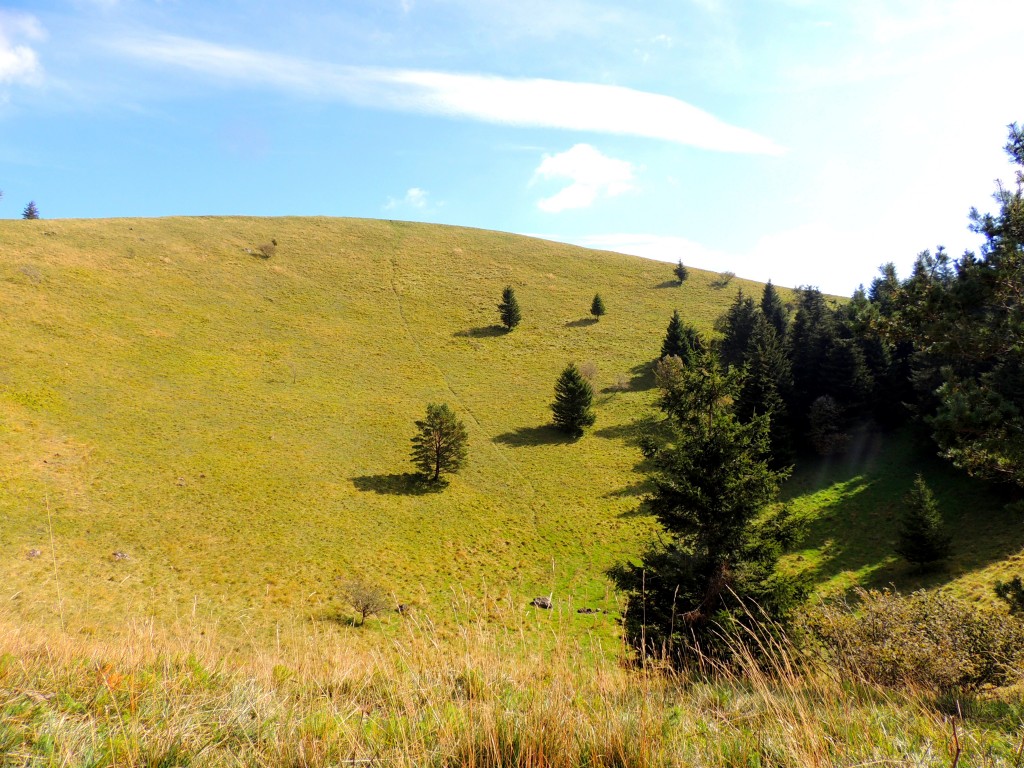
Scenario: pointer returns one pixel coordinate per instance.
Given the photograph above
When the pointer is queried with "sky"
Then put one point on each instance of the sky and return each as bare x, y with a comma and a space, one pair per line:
800, 141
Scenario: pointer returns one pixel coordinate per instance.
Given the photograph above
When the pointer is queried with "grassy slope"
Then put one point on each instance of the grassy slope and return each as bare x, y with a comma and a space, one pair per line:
239, 426
853, 504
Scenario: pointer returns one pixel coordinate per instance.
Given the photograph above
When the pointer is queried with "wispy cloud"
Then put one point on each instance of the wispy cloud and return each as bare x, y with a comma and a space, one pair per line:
590, 173
523, 102
19, 62
414, 198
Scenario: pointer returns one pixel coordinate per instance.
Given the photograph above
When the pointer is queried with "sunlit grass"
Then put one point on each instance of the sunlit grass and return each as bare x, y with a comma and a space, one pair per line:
239, 426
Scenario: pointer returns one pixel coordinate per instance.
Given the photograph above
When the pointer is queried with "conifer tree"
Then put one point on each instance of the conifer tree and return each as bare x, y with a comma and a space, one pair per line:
922, 538
716, 570
31, 211
681, 272
736, 325
597, 306
681, 340
768, 380
509, 308
440, 443
774, 310
573, 399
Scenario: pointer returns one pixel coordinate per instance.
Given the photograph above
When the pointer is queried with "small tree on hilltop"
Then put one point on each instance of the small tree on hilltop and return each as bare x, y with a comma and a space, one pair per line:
30, 212
573, 399
922, 540
440, 444
681, 272
509, 308
597, 306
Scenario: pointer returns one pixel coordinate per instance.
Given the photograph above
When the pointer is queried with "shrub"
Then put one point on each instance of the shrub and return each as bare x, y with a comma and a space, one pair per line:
723, 279
266, 250
924, 639
365, 597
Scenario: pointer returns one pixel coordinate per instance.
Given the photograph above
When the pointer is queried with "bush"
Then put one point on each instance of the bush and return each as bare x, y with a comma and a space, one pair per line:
266, 250
924, 639
365, 597
723, 279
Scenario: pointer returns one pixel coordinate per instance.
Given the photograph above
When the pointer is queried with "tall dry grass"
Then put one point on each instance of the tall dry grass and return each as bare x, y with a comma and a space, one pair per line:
477, 696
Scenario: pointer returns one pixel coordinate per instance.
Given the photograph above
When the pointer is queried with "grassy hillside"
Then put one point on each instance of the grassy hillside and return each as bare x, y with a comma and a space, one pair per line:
239, 426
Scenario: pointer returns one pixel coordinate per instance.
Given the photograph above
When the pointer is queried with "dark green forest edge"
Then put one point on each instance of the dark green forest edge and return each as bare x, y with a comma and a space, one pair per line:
938, 355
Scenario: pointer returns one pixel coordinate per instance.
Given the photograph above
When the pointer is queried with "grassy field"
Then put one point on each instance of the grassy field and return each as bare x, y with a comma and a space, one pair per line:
484, 696
239, 426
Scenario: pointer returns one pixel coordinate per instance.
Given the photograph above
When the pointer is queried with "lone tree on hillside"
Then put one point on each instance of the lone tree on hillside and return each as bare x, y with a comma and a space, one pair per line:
30, 212
597, 306
681, 272
440, 444
573, 399
366, 598
923, 539
509, 308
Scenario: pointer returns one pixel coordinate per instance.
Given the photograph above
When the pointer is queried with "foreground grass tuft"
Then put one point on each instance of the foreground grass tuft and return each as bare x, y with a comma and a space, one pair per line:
482, 697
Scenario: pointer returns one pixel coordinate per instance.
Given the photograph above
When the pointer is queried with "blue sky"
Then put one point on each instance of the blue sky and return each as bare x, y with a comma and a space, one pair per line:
802, 141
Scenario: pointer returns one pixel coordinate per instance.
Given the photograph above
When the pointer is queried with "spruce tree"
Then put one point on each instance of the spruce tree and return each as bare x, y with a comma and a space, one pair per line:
440, 442
597, 306
681, 272
713, 577
31, 211
573, 399
763, 392
509, 308
736, 325
922, 538
774, 310
681, 340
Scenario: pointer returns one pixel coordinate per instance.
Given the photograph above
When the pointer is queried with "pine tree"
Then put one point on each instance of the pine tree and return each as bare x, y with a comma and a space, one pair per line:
681, 272
922, 538
573, 399
736, 325
681, 340
713, 495
509, 308
440, 444
597, 306
30, 212
768, 380
774, 310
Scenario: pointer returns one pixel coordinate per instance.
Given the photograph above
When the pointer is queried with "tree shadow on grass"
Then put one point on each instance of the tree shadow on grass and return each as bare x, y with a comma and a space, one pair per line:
527, 436
583, 322
642, 376
399, 484
851, 530
483, 332
669, 284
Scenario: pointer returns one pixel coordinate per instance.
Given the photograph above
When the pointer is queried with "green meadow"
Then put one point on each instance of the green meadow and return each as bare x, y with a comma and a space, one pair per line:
236, 427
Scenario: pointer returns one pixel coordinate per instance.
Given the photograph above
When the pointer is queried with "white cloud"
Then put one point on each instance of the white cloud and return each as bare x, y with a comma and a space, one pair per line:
490, 99
19, 63
810, 254
590, 173
414, 198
